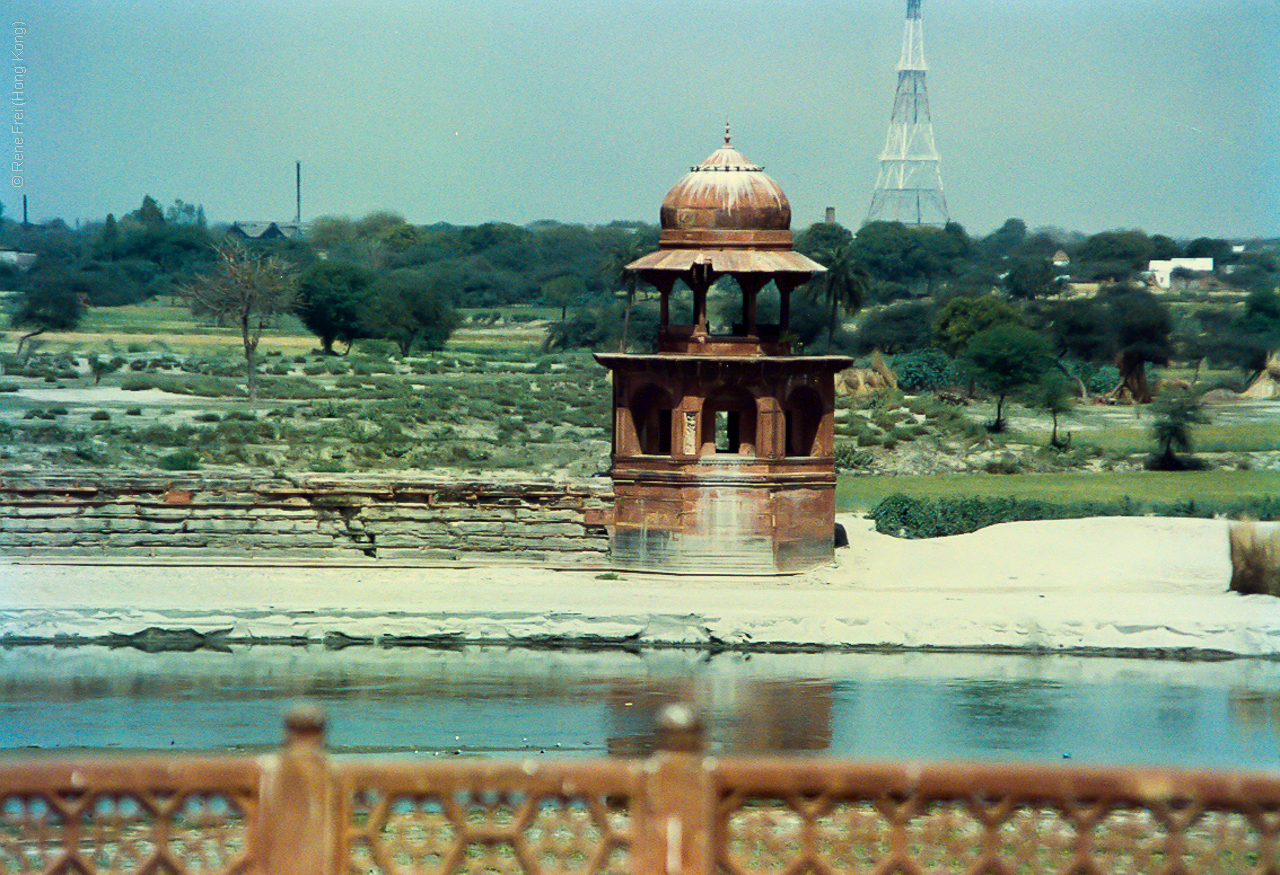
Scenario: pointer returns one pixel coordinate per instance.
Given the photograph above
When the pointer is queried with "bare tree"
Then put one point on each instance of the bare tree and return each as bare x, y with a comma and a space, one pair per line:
246, 289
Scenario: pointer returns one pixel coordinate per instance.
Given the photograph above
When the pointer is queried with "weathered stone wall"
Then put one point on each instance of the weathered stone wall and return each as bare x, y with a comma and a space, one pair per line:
203, 516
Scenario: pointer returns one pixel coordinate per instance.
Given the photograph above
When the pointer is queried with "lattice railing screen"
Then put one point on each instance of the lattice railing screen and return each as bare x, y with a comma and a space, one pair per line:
302, 812
491, 818
123, 818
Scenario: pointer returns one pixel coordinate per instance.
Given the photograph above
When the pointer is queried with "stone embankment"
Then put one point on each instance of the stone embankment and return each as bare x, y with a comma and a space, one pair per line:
303, 517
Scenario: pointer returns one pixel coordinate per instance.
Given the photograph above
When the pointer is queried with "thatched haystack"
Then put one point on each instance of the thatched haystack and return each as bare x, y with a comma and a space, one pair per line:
860, 381
1255, 558
1267, 384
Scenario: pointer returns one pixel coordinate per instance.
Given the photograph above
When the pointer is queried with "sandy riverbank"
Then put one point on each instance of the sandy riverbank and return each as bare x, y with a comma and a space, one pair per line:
1113, 585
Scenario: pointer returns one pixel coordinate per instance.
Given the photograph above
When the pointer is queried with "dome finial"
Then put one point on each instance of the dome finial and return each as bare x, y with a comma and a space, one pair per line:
726, 130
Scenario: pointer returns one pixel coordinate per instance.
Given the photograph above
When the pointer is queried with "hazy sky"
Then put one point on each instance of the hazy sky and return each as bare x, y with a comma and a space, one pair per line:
1082, 114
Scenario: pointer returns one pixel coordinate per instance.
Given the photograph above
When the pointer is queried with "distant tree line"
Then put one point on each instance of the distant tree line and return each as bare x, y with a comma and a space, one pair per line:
920, 294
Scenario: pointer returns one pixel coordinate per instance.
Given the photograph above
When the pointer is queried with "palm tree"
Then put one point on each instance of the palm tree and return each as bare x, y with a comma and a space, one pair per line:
844, 285
1176, 414
637, 245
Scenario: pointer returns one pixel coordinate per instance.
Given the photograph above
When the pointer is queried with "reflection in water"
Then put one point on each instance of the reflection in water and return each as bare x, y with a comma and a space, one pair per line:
505, 701
751, 714
1007, 715
1257, 710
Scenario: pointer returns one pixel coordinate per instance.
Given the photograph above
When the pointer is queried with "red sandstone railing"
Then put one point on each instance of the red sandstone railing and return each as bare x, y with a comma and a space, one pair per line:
678, 813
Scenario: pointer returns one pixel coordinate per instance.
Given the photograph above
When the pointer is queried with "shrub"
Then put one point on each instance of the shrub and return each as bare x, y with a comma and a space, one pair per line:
852, 457
924, 370
904, 516
51, 434
182, 460
1098, 380
133, 411
327, 466
100, 416
183, 384
1006, 463
289, 387
902, 433
8, 387
164, 436
207, 417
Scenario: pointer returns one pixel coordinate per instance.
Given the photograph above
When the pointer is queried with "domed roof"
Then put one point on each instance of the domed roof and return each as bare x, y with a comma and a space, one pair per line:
725, 202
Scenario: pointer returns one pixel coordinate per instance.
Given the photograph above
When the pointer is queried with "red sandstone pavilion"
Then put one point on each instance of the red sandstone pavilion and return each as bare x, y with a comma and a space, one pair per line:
722, 445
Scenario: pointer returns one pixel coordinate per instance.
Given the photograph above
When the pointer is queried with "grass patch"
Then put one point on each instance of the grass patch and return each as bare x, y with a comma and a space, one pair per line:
299, 388
861, 494
1237, 437
184, 384
182, 460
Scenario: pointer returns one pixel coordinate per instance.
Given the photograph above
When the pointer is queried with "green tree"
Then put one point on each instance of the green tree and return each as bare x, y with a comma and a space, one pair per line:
175, 248
1210, 247
563, 291
961, 318
247, 289
896, 328
887, 250
54, 300
1164, 248
940, 254
1183, 275
1241, 339
148, 214
625, 251
1080, 328
1005, 240
386, 230
842, 287
333, 302
1005, 359
1176, 413
822, 237
335, 236
108, 239
1134, 248
1140, 330
411, 308
1052, 394
1029, 277
182, 212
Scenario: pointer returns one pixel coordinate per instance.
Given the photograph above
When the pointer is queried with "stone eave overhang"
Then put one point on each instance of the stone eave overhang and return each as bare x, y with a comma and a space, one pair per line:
685, 361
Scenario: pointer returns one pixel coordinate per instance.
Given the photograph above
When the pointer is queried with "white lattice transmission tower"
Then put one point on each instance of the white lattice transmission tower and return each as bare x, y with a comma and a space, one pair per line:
909, 185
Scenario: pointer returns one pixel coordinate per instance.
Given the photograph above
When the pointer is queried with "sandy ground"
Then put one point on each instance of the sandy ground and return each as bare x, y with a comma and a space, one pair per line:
1116, 585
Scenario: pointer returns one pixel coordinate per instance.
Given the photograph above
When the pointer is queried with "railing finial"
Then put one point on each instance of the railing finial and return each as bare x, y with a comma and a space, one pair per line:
304, 724
680, 729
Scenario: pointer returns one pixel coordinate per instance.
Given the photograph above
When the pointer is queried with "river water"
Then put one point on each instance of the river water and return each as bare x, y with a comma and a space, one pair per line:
520, 702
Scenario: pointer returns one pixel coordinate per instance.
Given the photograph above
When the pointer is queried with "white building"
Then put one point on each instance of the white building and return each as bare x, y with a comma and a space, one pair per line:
1162, 270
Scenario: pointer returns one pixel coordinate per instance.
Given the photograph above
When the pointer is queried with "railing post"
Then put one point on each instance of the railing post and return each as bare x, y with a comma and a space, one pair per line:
680, 800
298, 809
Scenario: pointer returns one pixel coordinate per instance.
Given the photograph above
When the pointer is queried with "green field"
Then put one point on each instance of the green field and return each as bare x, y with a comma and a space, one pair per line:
494, 399
158, 326
855, 494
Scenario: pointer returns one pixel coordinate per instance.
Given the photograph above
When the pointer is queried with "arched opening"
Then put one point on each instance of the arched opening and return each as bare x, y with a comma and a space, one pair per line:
651, 415
803, 419
729, 422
